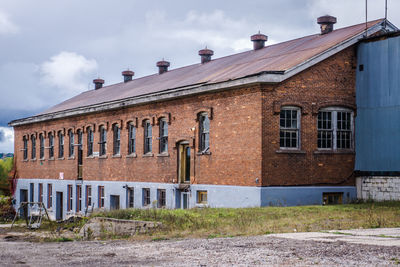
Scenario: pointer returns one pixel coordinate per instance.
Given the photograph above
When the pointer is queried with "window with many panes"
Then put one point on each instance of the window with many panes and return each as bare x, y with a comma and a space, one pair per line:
51, 146
90, 141
49, 196
78, 198
70, 198
33, 141
289, 125
101, 196
71, 151
131, 138
103, 141
202, 197
335, 129
116, 139
161, 198
88, 195
60, 144
146, 196
204, 132
131, 197
25, 140
147, 137
41, 149
40, 192
163, 136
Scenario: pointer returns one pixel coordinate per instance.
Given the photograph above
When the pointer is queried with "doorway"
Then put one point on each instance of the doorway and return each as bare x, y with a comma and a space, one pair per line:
59, 206
185, 200
114, 202
23, 197
184, 162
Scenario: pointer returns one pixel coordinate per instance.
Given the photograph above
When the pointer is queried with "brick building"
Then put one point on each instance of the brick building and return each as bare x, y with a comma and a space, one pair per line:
270, 126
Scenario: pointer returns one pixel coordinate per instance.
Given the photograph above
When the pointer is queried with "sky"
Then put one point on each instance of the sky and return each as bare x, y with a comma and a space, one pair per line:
52, 50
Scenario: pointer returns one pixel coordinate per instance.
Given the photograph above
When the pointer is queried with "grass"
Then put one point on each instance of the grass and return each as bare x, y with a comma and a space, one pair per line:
223, 222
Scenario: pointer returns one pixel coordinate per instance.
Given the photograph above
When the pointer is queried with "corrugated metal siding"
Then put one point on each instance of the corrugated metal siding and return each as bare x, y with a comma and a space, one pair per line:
378, 106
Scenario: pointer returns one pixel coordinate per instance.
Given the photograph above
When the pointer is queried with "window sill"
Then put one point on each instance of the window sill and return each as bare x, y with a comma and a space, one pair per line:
25, 160
163, 155
90, 157
319, 152
148, 155
61, 158
51, 158
32, 160
116, 156
133, 155
290, 151
71, 158
103, 157
203, 153
42, 159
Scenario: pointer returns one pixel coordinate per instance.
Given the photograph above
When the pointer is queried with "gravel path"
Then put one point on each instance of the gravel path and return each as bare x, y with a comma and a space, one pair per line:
240, 251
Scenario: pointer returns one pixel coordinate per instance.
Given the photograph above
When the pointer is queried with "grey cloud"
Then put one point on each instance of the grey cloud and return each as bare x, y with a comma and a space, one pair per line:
2, 135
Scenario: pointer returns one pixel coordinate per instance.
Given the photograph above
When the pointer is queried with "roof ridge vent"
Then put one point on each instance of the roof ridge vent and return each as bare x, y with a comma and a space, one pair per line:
205, 55
258, 40
98, 83
128, 74
162, 66
326, 23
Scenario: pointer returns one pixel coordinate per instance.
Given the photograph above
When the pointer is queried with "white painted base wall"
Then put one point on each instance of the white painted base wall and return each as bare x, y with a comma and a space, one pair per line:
378, 188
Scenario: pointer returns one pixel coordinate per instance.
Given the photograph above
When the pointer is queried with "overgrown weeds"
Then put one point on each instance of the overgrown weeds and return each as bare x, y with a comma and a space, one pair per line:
217, 222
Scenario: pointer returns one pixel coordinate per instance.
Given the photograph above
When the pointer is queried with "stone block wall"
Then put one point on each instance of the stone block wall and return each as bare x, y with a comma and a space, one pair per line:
378, 188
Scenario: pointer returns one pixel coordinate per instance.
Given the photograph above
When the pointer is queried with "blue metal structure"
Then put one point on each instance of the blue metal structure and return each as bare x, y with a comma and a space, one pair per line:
378, 106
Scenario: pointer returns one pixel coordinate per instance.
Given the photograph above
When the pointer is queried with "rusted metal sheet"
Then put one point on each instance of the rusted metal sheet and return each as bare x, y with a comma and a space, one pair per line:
274, 58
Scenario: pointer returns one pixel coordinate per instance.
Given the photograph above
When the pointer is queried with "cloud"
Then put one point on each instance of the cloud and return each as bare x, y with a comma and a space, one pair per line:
215, 29
6, 140
67, 71
6, 25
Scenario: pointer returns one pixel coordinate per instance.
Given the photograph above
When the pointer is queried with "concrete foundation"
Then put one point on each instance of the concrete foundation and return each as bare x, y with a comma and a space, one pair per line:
378, 188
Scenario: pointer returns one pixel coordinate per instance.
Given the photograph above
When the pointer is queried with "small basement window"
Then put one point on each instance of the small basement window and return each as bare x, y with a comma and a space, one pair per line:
202, 197
332, 198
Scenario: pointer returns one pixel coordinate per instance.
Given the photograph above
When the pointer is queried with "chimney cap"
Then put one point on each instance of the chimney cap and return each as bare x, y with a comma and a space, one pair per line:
259, 37
128, 73
327, 19
98, 80
206, 52
163, 63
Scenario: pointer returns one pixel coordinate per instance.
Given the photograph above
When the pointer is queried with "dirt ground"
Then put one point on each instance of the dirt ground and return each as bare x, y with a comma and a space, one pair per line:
264, 250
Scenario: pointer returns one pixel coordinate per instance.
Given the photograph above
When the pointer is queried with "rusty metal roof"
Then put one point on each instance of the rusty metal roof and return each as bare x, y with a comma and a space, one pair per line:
276, 58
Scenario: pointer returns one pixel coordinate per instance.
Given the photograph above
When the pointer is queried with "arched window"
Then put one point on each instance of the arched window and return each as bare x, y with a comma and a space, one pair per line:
25, 140
116, 139
89, 141
335, 128
79, 133
147, 137
33, 141
60, 144
289, 134
163, 136
131, 138
71, 143
204, 132
41, 149
51, 145
103, 141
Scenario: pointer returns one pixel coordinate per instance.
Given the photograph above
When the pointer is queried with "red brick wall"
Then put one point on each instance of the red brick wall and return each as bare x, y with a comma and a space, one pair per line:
235, 139
329, 83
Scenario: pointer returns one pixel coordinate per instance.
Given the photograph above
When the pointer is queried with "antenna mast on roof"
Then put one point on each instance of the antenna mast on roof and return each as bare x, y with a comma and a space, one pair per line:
385, 13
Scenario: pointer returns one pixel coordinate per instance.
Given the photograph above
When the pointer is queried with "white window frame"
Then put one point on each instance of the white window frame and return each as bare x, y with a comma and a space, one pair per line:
334, 111
298, 109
